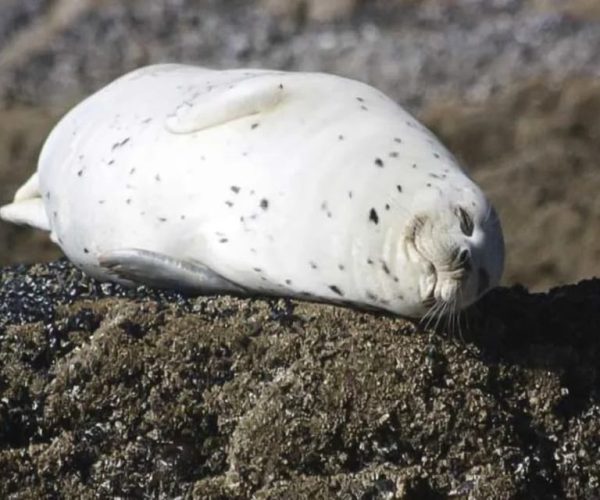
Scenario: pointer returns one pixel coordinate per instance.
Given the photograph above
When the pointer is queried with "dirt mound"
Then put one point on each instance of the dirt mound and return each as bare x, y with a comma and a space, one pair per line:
131, 393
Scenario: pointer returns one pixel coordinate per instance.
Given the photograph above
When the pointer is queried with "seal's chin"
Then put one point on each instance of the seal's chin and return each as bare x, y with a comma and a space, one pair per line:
446, 284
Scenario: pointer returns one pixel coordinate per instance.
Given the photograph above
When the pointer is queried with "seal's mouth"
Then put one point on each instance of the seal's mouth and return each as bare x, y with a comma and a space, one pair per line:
444, 283
445, 265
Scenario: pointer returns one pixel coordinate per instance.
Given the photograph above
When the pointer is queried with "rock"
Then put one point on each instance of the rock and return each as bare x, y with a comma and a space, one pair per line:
138, 393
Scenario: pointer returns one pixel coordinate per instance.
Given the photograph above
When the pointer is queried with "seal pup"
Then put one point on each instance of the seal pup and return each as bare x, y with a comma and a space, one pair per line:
259, 182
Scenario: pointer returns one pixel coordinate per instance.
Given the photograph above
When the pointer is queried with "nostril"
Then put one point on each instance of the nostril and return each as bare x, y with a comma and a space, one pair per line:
464, 260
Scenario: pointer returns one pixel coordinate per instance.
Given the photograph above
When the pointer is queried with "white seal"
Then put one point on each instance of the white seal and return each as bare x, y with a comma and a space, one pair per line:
263, 182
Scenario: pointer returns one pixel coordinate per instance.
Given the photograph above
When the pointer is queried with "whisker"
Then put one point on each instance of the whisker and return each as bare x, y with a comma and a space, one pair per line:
440, 314
430, 315
423, 322
458, 318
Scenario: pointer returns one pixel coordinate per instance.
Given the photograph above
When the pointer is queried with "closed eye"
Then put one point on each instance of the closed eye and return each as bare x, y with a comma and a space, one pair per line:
466, 222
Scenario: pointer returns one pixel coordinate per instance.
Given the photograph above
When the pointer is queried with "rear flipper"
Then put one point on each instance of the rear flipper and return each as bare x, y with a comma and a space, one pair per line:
27, 207
161, 271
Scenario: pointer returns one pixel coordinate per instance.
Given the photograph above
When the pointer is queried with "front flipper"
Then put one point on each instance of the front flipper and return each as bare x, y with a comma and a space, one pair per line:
161, 271
248, 96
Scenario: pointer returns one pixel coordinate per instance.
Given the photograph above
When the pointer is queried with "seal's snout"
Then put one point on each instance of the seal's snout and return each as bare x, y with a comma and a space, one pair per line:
446, 261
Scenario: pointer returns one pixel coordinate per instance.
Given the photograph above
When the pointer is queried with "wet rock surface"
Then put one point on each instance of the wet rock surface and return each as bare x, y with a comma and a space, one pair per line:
115, 392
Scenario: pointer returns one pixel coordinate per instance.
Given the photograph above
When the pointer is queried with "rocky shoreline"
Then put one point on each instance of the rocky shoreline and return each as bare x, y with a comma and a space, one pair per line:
139, 393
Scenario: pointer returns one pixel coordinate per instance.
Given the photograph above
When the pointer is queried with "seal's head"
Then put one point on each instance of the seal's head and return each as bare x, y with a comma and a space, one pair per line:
457, 243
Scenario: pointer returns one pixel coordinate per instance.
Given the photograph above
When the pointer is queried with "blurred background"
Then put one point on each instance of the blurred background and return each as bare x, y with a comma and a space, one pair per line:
510, 86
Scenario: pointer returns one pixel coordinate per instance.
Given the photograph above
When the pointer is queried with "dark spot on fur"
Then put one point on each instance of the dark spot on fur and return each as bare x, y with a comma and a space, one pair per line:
364, 108
414, 165
398, 140
340, 137
117, 145
264, 203
101, 202
288, 282
326, 209
128, 201
258, 269
223, 240
371, 296
162, 219
379, 162
394, 154
437, 155
428, 184
350, 194
235, 189
341, 267
370, 261
182, 217
111, 162
387, 206
132, 171
157, 178
336, 290
85, 250
281, 86
373, 217
385, 268
80, 173
254, 125
229, 203
313, 265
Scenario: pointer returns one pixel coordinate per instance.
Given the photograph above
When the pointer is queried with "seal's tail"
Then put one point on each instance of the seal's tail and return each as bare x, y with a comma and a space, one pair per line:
27, 206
